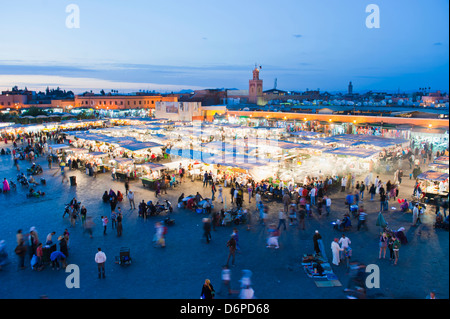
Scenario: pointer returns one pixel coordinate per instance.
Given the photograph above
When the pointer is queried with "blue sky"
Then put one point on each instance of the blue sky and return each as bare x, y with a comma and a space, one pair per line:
177, 44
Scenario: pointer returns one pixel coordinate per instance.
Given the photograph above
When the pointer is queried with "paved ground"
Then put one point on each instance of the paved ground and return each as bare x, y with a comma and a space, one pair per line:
178, 271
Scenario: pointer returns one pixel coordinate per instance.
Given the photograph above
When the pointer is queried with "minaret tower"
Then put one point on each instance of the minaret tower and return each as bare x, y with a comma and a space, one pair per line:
255, 87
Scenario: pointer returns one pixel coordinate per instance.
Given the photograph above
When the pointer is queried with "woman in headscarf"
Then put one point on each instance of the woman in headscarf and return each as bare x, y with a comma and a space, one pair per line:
207, 290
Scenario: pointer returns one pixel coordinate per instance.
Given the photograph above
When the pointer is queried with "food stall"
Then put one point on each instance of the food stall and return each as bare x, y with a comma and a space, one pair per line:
433, 184
149, 174
140, 151
124, 168
100, 159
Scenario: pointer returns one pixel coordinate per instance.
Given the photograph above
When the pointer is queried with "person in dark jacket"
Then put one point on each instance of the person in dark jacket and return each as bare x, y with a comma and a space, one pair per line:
316, 238
207, 229
21, 251
63, 246
372, 191
207, 290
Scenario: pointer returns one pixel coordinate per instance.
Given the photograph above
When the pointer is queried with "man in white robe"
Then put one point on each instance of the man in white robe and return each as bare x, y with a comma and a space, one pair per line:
335, 249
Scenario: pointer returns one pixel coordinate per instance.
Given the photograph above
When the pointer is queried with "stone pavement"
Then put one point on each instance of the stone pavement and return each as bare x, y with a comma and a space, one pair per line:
179, 270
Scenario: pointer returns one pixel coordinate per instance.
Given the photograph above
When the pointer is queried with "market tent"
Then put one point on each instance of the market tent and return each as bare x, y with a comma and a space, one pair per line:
433, 176
152, 166
122, 161
189, 133
285, 145
191, 154
59, 146
360, 139
351, 151
241, 161
439, 167
227, 159
79, 150
98, 154
313, 147
123, 141
441, 160
305, 133
227, 147
140, 146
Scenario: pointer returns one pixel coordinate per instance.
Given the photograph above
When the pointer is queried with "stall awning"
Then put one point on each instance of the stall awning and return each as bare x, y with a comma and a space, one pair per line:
140, 146
227, 147
305, 133
59, 146
351, 151
437, 166
152, 166
441, 160
433, 176
360, 139
79, 150
123, 161
98, 154
227, 159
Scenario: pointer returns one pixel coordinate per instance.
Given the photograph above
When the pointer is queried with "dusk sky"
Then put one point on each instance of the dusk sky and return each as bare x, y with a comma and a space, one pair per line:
177, 44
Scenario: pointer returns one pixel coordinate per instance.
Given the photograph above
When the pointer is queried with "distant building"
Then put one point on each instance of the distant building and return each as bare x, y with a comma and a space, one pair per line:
119, 101
187, 111
435, 98
255, 88
275, 92
206, 96
15, 98
14, 101
350, 88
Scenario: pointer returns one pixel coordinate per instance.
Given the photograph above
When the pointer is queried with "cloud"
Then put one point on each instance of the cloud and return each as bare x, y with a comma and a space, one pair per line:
81, 84
297, 36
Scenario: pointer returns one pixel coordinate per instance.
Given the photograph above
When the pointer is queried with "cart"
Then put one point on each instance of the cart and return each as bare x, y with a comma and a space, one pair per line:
124, 257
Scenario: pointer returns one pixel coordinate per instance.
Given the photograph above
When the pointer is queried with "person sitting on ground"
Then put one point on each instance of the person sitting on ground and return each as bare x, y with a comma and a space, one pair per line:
226, 218
346, 222
404, 206
191, 204
31, 180
439, 220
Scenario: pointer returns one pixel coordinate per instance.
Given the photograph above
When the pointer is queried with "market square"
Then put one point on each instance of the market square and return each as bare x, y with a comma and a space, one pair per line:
188, 259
